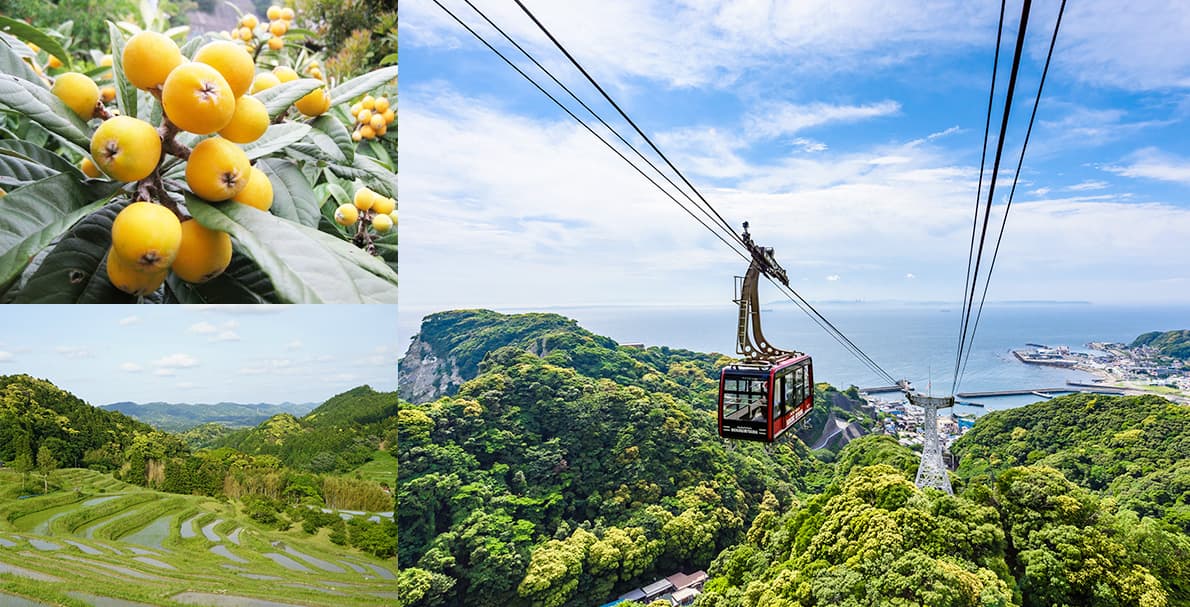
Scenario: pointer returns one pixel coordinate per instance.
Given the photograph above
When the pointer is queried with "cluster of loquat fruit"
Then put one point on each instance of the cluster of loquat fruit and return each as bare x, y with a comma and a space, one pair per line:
280, 20
368, 208
206, 96
372, 117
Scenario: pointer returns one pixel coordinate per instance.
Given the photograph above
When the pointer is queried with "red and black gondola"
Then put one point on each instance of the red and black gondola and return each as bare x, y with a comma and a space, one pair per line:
760, 402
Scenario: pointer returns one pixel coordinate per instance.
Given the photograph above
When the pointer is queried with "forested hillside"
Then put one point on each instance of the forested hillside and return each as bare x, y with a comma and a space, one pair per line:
338, 435
540, 484
180, 417
1175, 344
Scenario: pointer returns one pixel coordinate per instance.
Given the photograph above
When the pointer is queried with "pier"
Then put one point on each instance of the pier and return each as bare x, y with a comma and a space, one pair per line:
879, 389
1046, 392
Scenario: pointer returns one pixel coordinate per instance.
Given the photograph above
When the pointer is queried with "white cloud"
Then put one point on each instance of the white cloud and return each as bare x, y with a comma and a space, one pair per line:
73, 352
226, 336
129, 320
910, 276
833, 277
202, 328
222, 332
780, 119
5, 356
294, 345
131, 367
1151, 163
1099, 44
1088, 185
1040, 191
176, 361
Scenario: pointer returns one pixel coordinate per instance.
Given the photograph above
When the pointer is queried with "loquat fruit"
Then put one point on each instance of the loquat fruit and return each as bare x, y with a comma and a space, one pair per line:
382, 223
377, 122
389, 116
276, 43
287, 14
54, 62
263, 81
148, 59
285, 73
381, 104
249, 21
258, 192
107, 94
368, 102
314, 104
145, 236
232, 62
126, 148
78, 92
129, 280
346, 215
203, 254
248, 122
198, 99
384, 205
278, 28
274, 13
366, 132
89, 169
217, 170
364, 198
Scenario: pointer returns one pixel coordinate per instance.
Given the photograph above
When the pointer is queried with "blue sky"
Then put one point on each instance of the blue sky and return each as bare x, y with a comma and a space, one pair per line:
204, 354
848, 133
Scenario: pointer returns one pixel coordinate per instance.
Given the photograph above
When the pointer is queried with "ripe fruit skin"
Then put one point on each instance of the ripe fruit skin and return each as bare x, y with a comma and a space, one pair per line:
287, 14
274, 13
148, 59
55, 62
129, 280
258, 192
314, 104
285, 73
232, 62
203, 254
248, 122
198, 99
381, 104
245, 34
367, 132
126, 148
108, 94
276, 43
377, 122
364, 199
278, 28
355, 136
389, 116
89, 168
264, 81
365, 116
145, 236
346, 215
249, 21
78, 92
383, 205
368, 103
382, 223
217, 170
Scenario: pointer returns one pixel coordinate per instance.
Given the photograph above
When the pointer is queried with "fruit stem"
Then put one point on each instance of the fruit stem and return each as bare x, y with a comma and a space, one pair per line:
168, 132
101, 111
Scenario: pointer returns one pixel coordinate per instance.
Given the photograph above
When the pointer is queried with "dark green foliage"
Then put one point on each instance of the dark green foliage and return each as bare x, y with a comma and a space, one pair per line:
339, 435
35, 412
1175, 344
177, 417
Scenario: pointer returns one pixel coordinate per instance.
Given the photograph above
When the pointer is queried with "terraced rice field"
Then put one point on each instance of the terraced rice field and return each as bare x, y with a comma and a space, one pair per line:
99, 541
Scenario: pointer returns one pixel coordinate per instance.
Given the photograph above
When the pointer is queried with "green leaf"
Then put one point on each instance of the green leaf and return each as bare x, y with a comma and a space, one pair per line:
242, 282
387, 247
282, 96
191, 46
17, 170
337, 133
362, 84
42, 107
36, 214
325, 145
126, 94
293, 198
381, 155
42, 156
75, 270
305, 265
276, 138
28, 33
11, 61
382, 179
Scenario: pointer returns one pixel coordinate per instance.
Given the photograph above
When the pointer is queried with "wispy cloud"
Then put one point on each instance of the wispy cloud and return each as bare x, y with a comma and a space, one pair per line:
1087, 186
73, 352
129, 320
176, 361
294, 345
833, 277
131, 367
1151, 163
781, 119
5, 356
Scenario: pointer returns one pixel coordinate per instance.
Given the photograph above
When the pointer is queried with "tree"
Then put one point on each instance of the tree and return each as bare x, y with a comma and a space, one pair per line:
46, 464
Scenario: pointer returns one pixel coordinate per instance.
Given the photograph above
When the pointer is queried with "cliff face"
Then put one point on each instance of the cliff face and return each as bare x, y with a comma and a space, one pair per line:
424, 376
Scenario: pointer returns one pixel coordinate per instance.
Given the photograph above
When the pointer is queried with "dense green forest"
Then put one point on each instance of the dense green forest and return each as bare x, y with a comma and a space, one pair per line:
1175, 344
546, 482
44, 427
337, 436
180, 417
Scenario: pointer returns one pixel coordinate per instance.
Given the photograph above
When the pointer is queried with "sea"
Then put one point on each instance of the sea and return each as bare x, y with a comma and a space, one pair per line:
915, 341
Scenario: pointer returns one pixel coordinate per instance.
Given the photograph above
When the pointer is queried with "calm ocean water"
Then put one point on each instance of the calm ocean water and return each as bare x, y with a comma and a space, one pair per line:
915, 341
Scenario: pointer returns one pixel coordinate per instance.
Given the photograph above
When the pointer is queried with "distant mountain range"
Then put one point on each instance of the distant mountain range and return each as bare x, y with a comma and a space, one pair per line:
179, 417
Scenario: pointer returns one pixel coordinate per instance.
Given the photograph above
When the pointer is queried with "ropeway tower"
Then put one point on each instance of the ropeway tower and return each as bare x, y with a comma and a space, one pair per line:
932, 471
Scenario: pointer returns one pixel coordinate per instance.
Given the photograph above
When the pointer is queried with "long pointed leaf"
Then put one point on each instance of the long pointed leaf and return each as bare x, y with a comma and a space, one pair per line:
293, 198
282, 96
126, 94
362, 84
24, 31
42, 107
74, 271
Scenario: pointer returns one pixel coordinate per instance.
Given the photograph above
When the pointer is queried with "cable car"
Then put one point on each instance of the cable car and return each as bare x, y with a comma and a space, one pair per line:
771, 390
760, 402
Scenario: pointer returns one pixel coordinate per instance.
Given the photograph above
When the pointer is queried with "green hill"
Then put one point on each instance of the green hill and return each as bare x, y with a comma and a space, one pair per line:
179, 417
545, 481
1175, 344
339, 435
36, 413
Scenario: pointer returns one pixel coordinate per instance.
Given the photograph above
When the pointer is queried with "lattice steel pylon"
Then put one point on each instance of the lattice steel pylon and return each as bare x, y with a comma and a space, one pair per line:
932, 471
